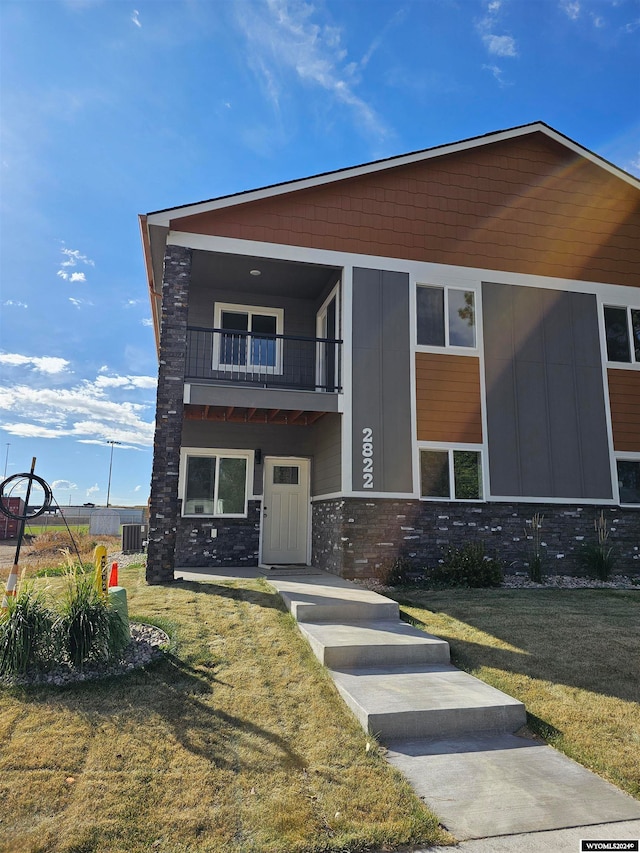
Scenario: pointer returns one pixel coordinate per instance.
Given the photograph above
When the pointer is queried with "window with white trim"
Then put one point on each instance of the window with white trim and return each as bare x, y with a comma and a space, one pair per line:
622, 332
446, 316
246, 339
215, 482
451, 474
628, 480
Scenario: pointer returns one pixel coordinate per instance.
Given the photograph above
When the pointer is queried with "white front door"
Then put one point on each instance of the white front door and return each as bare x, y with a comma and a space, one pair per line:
285, 511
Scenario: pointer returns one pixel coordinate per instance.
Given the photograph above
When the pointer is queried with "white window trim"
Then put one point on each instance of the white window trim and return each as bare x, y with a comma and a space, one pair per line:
456, 350
634, 364
249, 310
320, 318
217, 453
444, 447
624, 456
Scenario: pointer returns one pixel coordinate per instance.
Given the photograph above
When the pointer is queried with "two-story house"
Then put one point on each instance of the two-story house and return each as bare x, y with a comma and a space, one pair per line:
400, 356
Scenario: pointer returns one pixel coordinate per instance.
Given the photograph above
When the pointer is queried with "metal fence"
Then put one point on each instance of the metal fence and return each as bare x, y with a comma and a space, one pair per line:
267, 361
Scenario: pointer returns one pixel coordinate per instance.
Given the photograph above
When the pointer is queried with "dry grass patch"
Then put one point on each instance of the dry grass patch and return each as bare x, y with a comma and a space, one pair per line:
45, 551
236, 742
572, 656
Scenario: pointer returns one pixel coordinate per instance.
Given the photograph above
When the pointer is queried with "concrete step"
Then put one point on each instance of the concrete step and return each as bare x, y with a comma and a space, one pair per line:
422, 701
343, 646
492, 785
332, 599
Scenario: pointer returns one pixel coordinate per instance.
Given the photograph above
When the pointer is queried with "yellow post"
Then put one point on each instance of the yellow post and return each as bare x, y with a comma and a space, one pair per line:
100, 562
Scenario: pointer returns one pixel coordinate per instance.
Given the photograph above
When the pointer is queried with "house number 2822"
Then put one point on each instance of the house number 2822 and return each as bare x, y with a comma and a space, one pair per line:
367, 458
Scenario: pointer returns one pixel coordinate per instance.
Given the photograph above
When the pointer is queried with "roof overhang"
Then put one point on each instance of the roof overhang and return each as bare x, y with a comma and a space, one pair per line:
165, 217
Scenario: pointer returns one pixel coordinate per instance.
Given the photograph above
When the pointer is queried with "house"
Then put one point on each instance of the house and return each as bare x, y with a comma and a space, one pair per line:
389, 359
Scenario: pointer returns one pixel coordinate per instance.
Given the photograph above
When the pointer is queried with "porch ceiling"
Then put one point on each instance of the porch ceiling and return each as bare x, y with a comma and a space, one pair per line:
281, 278
245, 415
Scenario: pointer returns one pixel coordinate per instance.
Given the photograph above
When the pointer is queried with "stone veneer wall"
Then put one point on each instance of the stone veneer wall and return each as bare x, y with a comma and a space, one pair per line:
236, 544
163, 506
355, 537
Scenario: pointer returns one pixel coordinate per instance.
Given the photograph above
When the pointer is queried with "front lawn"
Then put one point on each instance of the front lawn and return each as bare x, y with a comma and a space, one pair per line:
236, 742
572, 656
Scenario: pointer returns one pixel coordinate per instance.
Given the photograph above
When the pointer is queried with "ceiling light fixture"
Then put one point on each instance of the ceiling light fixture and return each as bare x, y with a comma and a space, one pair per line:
255, 272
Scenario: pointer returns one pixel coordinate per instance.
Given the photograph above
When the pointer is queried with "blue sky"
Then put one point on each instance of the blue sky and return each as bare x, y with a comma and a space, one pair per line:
113, 108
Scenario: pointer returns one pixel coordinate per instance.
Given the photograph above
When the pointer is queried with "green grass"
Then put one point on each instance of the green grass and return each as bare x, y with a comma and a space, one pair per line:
572, 656
236, 742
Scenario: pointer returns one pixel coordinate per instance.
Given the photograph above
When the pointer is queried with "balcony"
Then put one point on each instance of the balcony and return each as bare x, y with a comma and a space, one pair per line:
248, 359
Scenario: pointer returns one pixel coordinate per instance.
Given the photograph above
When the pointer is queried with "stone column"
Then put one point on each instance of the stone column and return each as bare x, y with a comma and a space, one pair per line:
163, 509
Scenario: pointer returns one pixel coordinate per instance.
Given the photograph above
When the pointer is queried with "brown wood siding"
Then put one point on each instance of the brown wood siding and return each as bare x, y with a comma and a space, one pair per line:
448, 398
624, 398
525, 205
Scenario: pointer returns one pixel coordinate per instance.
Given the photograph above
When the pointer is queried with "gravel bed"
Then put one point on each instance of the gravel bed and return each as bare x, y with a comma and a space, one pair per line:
523, 582
147, 642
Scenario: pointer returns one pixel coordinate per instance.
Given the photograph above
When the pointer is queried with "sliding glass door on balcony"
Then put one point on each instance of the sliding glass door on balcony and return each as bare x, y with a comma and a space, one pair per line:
248, 342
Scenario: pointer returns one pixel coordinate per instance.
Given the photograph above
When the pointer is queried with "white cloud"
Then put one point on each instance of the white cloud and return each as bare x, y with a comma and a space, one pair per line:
496, 71
571, 8
87, 412
14, 303
284, 39
135, 18
137, 488
93, 490
72, 258
496, 45
63, 485
500, 45
43, 364
147, 321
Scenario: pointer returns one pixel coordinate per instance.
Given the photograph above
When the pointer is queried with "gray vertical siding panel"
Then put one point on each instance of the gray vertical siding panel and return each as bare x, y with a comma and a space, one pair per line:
381, 378
366, 365
564, 427
396, 384
546, 421
533, 438
593, 427
327, 460
504, 452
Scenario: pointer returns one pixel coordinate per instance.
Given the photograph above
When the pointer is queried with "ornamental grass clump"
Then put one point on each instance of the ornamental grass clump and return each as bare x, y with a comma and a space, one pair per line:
599, 559
536, 572
87, 629
25, 634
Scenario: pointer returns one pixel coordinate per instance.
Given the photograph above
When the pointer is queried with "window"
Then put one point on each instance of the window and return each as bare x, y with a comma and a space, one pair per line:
629, 481
215, 483
622, 329
451, 474
246, 338
446, 317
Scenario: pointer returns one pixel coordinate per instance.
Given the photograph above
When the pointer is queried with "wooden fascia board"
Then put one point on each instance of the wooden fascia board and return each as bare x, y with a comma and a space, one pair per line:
166, 217
154, 297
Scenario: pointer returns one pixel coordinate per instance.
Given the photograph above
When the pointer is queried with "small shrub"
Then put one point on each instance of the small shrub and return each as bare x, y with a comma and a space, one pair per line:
468, 566
88, 629
599, 559
398, 573
536, 571
25, 634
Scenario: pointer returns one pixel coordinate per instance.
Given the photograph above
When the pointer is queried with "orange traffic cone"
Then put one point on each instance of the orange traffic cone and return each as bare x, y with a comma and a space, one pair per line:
113, 577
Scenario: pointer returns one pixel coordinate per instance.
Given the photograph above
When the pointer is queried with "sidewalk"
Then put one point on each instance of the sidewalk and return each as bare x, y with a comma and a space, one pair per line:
452, 736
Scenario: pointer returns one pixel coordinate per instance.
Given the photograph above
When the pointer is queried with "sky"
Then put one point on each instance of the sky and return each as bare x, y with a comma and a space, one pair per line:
111, 108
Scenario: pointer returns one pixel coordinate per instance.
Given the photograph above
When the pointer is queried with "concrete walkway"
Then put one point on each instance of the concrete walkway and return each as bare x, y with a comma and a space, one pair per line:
451, 735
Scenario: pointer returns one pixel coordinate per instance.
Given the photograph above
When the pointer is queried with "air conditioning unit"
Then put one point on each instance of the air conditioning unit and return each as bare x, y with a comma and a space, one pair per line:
132, 536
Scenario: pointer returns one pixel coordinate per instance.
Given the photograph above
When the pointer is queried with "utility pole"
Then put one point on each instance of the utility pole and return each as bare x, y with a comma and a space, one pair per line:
110, 467
6, 459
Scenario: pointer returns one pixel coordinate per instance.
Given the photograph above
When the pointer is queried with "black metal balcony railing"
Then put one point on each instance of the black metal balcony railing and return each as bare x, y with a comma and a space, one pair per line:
267, 361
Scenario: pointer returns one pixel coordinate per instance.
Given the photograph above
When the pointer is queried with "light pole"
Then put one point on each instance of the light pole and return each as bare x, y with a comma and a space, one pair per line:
6, 459
110, 466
